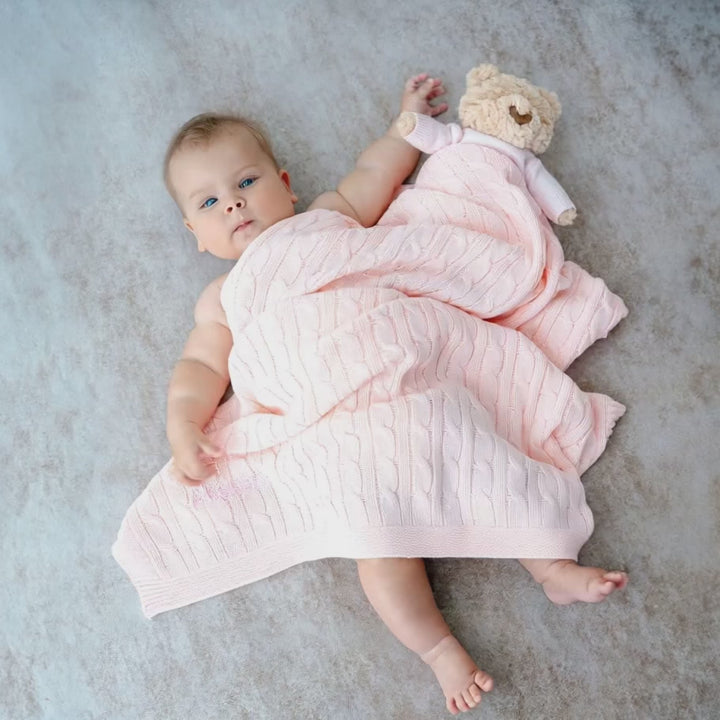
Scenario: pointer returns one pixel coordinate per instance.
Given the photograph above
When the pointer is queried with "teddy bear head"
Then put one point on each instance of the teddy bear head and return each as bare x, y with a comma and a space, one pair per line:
509, 108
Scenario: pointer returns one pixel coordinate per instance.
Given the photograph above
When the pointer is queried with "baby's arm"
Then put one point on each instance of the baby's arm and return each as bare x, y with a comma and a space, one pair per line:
197, 385
366, 192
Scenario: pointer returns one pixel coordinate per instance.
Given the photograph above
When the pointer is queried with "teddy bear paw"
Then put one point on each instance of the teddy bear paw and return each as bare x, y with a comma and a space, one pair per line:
406, 123
567, 217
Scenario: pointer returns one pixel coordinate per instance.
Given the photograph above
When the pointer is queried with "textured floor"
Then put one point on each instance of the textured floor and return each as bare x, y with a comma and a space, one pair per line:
97, 284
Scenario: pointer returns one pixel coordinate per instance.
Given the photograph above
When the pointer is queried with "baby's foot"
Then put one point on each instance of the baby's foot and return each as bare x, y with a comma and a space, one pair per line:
567, 582
459, 677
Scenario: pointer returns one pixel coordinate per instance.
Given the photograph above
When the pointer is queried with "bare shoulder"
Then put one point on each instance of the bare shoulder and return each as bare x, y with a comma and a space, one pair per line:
208, 308
333, 200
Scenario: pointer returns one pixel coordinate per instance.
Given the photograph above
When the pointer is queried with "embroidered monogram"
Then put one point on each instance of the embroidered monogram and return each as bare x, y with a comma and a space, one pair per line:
223, 488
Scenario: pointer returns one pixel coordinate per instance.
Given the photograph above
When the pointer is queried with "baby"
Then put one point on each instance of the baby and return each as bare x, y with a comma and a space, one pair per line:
223, 176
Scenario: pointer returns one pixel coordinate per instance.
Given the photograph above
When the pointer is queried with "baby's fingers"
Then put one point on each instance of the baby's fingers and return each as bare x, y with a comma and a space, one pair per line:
183, 477
436, 91
193, 469
420, 90
414, 82
209, 448
432, 91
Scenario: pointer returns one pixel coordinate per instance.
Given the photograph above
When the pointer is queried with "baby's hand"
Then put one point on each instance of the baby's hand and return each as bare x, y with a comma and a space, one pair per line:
192, 454
418, 93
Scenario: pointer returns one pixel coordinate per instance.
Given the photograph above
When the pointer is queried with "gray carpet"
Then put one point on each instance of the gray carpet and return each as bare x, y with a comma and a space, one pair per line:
99, 278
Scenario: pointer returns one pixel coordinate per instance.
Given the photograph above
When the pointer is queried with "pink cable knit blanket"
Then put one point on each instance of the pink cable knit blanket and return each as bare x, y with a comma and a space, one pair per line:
398, 392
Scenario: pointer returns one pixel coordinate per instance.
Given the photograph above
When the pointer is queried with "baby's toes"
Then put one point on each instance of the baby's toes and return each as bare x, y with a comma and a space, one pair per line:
483, 681
452, 706
467, 695
620, 579
475, 693
462, 706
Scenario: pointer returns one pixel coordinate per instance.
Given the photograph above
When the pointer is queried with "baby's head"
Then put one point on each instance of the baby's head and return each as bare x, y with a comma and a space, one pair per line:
221, 172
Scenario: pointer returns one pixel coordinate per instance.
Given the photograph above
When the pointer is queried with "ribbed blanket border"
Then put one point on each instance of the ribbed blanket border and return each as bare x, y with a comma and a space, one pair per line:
157, 596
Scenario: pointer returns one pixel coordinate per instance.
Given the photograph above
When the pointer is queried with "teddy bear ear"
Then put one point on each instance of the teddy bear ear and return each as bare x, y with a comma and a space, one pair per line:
481, 73
552, 100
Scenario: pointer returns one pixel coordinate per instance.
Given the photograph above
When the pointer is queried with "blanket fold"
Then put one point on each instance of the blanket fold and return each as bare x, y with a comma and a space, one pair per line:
398, 392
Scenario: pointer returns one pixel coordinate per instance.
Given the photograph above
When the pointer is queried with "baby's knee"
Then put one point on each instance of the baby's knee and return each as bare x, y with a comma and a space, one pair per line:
387, 564
371, 563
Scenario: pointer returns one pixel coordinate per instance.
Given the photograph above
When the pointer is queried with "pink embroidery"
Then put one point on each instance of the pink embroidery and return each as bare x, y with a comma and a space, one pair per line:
216, 489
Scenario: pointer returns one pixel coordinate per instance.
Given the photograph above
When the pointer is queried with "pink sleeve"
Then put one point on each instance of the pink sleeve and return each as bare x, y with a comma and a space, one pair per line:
429, 135
547, 191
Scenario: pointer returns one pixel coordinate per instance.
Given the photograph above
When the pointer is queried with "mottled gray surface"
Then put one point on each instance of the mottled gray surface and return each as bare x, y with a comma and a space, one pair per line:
98, 281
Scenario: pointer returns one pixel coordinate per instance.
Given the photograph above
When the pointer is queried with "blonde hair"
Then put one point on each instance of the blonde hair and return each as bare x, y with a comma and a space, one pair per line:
203, 128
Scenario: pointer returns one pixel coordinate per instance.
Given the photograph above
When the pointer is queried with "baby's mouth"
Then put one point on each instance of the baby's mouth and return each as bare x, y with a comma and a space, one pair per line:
242, 225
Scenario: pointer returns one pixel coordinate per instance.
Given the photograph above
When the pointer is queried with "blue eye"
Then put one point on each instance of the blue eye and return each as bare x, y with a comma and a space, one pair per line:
247, 182
209, 202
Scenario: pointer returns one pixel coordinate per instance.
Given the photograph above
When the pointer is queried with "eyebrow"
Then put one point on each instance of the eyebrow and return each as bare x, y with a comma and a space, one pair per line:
204, 191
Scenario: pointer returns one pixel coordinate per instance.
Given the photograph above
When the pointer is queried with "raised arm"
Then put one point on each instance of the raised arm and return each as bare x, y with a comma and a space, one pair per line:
197, 385
366, 192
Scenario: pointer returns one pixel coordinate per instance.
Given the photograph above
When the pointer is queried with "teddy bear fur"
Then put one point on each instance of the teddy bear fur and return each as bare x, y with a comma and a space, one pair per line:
501, 106
509, 108
505, 106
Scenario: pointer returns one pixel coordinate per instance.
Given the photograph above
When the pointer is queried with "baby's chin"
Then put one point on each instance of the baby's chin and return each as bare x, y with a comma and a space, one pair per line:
243, 238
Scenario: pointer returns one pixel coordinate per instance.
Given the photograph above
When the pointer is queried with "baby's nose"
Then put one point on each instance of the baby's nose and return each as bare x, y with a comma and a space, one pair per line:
239, 204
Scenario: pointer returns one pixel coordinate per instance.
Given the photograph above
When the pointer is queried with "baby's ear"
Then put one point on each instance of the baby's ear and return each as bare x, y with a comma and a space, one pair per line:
187, 224
285, 177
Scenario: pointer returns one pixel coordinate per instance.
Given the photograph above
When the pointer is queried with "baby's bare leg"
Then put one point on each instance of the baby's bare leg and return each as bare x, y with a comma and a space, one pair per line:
565, 582
399, 590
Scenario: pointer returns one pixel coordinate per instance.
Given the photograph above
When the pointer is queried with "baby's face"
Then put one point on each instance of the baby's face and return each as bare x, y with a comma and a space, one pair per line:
229, 192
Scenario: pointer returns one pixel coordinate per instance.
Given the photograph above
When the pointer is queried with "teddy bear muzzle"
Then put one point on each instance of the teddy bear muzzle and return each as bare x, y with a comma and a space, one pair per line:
518, 118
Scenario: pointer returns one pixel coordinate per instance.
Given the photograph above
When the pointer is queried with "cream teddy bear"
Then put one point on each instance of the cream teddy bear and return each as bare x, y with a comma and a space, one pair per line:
510, 115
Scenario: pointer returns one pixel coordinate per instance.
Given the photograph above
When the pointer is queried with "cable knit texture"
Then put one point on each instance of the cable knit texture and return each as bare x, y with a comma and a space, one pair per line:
398, 392
429, 136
